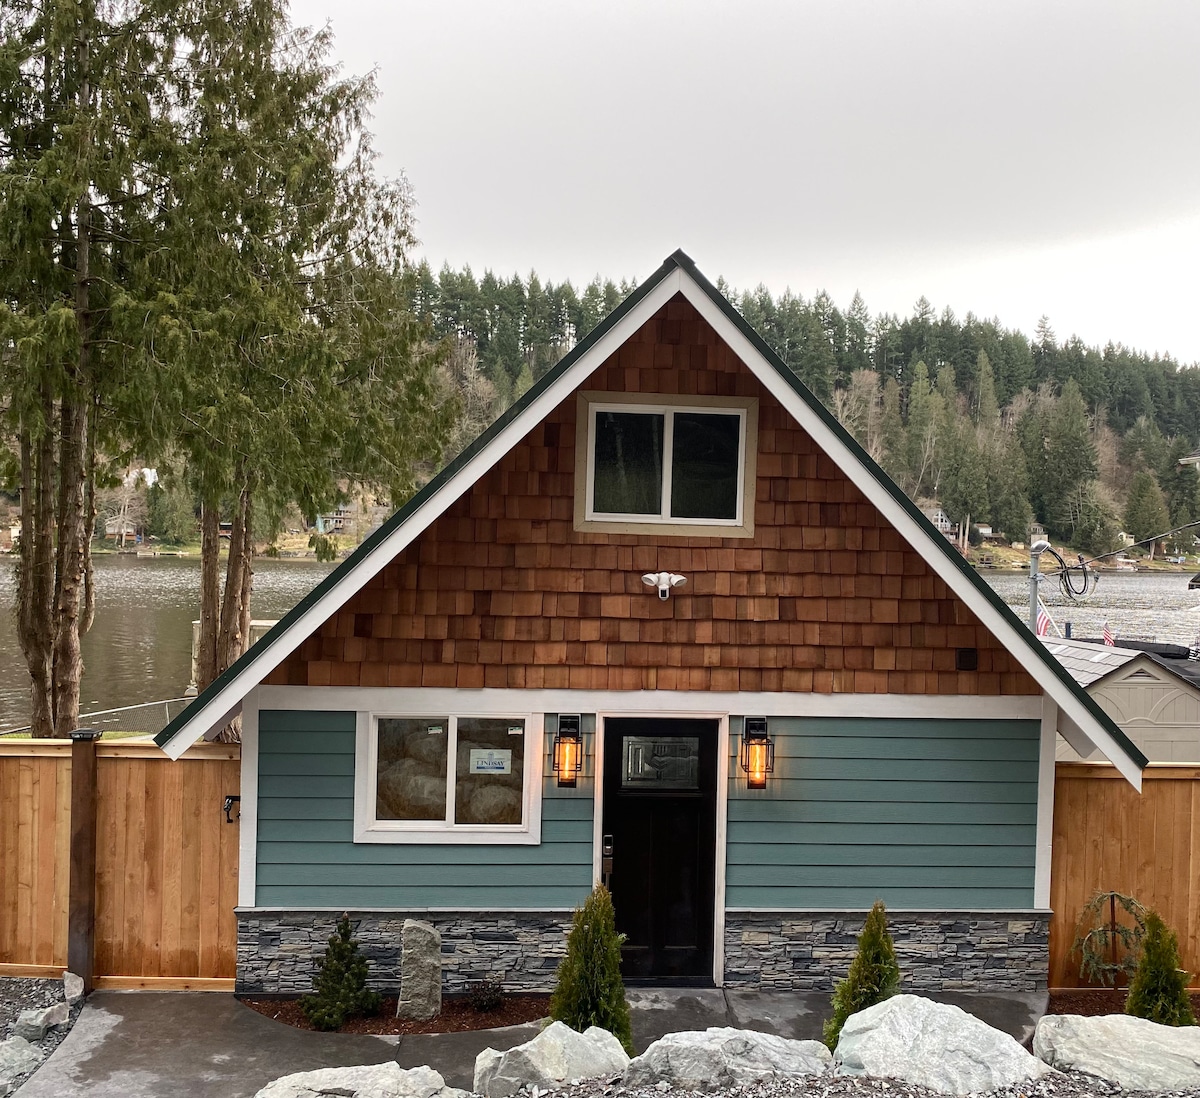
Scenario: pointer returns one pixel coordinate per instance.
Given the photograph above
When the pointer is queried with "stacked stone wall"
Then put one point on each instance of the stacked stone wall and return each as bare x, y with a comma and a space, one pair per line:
937, 950
278, 953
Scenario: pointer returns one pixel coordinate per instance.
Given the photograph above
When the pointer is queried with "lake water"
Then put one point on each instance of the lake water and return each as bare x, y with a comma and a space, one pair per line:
139, 649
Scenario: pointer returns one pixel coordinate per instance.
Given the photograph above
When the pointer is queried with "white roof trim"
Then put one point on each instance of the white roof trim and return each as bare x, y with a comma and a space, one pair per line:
1017, 639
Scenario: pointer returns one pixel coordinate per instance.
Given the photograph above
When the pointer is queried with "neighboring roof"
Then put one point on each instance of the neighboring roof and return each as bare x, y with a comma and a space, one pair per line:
1088, 662
1175, 658
1192, 459
678, 275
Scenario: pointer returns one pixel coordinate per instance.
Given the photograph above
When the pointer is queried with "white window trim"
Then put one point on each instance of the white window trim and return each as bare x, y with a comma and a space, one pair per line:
591, 403
368, 829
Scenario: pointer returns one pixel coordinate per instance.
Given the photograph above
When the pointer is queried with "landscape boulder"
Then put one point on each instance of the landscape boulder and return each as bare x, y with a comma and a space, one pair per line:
554, 1058
933, 1045
17, 1057
72, 987
1131, 1052
721, 1058
32, 1024
367, 1081
420, 971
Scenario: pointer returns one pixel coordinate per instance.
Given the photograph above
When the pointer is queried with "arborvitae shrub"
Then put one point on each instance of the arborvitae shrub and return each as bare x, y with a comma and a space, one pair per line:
589, 990
340, 990
1159, 987
874, 974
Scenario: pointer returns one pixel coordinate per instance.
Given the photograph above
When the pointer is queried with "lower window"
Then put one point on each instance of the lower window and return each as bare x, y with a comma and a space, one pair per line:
448, 778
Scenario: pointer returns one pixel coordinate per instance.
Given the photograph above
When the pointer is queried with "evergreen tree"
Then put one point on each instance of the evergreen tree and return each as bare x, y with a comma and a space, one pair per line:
892, 439
987, 410
589, 990
874, 974
340, 989
1158, 991
1070, 460
1146, 512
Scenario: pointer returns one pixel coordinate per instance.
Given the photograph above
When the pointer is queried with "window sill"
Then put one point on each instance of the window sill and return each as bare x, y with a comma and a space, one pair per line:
462, 835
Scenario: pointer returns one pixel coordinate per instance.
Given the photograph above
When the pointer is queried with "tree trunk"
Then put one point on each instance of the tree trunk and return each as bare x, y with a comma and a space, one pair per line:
35, 593
235, 606
210, 592
68, 603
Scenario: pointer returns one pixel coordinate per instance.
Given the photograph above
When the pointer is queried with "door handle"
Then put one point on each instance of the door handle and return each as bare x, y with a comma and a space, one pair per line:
606, 860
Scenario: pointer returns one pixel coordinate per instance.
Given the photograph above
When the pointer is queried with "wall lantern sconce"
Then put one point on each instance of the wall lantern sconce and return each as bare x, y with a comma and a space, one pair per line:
757, 755
568, 751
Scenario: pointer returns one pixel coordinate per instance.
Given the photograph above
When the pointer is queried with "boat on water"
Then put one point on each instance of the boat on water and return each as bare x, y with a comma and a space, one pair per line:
1194, 583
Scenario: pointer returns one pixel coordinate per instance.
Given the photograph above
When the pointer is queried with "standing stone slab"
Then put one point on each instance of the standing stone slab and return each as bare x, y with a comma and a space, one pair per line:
1134, 1053
420, 972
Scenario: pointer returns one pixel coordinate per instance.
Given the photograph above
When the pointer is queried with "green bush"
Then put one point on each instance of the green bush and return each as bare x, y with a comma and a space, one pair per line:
1159, 988
340, 990
1099, 936
589, 990
874, 974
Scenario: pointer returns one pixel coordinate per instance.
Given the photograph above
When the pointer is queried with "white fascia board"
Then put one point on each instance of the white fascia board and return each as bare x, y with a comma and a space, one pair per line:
1018, 641
225, 703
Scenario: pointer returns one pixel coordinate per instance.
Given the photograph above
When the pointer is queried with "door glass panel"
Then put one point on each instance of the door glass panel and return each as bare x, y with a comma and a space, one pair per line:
704, 466
654, 763
629, 463
490, 771
410, 781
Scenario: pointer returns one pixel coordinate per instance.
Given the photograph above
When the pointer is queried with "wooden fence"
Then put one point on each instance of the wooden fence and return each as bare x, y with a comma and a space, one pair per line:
1108, 838
166, 864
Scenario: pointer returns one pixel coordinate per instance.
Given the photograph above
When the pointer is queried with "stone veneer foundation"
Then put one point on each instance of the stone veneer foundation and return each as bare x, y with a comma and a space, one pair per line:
937, 950
278, 952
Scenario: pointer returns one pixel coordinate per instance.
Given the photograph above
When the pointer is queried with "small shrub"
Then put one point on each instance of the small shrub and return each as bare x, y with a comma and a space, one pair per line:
589, 990
874, 974
486, 995
340, 990
1159, 988
1099, 938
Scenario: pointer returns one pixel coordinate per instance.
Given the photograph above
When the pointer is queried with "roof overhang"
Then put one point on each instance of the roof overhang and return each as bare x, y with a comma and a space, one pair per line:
677, 275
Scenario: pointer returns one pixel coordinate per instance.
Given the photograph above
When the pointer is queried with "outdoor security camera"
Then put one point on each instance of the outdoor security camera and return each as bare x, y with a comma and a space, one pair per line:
664, 581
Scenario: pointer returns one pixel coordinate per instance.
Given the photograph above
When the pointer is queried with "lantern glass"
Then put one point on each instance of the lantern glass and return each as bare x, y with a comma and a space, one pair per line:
568, 752
757, 755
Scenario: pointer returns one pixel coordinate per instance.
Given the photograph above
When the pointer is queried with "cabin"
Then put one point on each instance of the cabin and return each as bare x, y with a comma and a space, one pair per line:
1152, 693
664, 625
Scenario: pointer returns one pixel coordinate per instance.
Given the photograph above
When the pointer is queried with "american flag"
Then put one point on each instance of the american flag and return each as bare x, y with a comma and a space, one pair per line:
1043, 621
1108, 636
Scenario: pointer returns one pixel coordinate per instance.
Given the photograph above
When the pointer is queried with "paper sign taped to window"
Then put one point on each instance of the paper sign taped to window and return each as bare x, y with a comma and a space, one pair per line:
490, 761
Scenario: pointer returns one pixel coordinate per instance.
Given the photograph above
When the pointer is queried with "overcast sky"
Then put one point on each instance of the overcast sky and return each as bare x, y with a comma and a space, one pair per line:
1005, 158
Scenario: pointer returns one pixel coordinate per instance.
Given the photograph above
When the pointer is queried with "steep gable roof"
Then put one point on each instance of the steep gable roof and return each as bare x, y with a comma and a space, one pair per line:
677, 276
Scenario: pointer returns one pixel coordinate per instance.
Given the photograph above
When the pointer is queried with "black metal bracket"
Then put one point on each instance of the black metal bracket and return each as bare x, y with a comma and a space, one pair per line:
227, 807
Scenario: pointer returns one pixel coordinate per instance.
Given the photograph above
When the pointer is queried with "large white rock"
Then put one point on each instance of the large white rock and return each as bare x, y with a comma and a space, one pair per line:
555, 1057
72, 987
367, 1081
1131, 1052
32, 1024
932, 1045
720, 1058
17, 1057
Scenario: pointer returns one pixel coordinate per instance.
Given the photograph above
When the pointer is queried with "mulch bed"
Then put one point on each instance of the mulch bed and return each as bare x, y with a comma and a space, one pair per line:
1095, 1001
457, 1015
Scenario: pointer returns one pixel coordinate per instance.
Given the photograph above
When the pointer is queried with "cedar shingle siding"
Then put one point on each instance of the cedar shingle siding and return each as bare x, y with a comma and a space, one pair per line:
502, 591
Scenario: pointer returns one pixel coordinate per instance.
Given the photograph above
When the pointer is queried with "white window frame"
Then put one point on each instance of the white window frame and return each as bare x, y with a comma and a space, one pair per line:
369, 829
588, 518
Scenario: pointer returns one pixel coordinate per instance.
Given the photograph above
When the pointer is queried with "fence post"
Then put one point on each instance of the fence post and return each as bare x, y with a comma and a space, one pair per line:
81, 904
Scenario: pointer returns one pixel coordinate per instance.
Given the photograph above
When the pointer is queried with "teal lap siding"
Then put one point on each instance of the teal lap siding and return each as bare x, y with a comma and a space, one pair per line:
307, 856
919, 813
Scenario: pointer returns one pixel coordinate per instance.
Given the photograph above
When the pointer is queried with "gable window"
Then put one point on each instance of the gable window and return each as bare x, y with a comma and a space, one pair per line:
447, 778
687, 464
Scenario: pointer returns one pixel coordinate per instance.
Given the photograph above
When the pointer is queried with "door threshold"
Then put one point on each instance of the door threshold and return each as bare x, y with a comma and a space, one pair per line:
669, 985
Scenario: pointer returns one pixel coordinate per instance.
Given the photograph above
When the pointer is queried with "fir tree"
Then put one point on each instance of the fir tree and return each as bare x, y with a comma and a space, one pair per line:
589, 990
1158, 991
874, 974
340, 990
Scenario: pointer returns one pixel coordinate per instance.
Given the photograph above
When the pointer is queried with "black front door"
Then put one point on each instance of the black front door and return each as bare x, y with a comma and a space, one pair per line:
660, 813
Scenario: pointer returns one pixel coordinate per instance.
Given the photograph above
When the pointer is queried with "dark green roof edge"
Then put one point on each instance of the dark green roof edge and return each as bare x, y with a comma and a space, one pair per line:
830, 421
367, 546
677, 260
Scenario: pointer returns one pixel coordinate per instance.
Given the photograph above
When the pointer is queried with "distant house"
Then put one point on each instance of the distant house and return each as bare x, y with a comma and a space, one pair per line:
941, 521
1036, 530
1153, 696
664, 624
985, 531
1126, 540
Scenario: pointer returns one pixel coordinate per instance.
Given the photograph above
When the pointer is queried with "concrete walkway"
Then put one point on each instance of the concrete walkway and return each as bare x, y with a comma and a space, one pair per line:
142, 1044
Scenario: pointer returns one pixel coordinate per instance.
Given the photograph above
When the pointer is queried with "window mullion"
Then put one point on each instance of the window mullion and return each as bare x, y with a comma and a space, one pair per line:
668, 448
451, 767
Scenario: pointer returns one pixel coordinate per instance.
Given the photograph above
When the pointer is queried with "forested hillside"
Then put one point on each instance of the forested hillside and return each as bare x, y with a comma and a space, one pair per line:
995, 427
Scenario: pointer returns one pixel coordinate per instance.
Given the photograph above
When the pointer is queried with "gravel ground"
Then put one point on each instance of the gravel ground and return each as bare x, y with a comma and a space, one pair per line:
1063, 1085
17, 994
